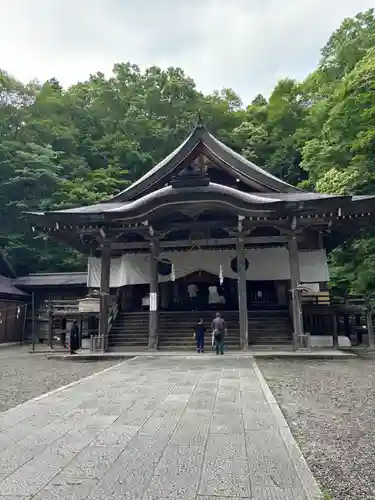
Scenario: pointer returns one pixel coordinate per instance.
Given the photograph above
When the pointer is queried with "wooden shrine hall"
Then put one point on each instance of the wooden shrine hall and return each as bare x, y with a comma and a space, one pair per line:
206, 222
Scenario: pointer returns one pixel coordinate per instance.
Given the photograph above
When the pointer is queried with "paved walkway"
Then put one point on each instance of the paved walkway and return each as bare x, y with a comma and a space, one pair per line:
155, 429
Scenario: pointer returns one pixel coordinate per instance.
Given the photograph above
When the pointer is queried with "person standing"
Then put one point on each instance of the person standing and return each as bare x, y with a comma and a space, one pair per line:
213, 296
74, 337
146, 302
199, 336
219, 329
192, 293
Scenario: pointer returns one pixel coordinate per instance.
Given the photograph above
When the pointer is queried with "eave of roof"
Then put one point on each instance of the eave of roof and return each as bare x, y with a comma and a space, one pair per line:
7, 288
214, 196
52, 279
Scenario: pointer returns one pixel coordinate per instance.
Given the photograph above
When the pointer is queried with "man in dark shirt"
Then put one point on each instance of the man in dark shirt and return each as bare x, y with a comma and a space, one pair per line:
199, 336
219, 329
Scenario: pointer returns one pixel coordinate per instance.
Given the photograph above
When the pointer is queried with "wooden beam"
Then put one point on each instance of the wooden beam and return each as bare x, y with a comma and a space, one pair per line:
73, 234
298, 329
370, 332
212, 242
242, 292
104, 292
50, 327
249, 223
335, 333
154, 296
110, 230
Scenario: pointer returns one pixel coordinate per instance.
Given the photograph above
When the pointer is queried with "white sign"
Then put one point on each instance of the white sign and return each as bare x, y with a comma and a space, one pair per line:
153, 301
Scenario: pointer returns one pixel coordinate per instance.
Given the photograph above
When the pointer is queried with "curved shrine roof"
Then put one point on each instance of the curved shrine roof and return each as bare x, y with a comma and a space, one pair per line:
209, 197
152, 193
200, 139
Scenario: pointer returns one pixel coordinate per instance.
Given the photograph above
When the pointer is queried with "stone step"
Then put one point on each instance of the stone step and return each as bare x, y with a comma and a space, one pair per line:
176, 328
190, 324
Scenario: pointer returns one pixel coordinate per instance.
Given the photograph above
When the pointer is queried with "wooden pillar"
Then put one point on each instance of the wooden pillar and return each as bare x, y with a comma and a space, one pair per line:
335, 332
242, 292
347, 327
104, 292
153, 339
50, 327
370, 332
295, 281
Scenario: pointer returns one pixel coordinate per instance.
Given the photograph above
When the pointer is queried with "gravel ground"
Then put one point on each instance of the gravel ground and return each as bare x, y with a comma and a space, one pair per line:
330, 408
24, 376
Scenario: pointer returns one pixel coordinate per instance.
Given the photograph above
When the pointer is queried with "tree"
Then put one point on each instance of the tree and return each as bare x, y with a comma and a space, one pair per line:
348, 45
340, 159
67, 147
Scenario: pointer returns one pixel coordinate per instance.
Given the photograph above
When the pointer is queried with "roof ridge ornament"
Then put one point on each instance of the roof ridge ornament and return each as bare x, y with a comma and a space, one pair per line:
193, 174
200, 123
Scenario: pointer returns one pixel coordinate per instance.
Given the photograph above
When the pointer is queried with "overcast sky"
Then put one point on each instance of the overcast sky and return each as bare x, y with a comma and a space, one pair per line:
244, 44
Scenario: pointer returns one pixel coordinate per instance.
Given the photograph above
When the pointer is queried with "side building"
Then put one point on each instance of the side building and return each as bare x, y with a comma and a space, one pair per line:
13, 305
58, 290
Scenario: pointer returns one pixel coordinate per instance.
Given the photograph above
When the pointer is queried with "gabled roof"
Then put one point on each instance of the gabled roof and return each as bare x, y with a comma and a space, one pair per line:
201, 141
7, 288
6, 268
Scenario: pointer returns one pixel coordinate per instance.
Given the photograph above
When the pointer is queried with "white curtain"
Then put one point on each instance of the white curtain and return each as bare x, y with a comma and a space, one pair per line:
264, 264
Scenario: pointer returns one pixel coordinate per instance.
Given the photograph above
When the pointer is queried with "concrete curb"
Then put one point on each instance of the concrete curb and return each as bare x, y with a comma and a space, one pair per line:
9, 344
305, 355
336, 355
308, 481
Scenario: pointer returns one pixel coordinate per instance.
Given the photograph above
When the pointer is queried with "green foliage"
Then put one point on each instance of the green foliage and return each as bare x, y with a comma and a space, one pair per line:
67, 147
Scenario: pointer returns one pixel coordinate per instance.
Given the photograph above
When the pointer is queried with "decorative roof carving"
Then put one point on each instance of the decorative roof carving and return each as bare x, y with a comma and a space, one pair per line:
194, 174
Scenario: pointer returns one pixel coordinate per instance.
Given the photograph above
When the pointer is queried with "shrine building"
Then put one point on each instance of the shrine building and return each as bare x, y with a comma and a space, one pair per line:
206, 230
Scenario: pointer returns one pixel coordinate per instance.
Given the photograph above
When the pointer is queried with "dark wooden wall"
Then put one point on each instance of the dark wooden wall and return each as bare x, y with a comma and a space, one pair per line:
12, 319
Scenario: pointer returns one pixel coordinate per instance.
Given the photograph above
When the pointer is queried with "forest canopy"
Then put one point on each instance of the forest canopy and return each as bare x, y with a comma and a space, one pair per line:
64, 147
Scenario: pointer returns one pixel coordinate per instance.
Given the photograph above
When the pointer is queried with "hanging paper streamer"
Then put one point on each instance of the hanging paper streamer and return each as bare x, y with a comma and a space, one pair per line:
173, 274
221, 275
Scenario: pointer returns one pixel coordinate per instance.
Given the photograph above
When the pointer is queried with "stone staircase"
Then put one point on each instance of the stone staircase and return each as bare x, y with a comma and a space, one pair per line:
266, 327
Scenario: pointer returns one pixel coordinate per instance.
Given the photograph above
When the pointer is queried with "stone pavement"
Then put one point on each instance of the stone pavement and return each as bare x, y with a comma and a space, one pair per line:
182, 428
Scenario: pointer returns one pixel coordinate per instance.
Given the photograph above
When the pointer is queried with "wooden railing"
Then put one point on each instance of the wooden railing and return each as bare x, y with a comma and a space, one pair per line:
318, 319
113, 312
326, 314
353, 318
112, 315
320, 298
68, 305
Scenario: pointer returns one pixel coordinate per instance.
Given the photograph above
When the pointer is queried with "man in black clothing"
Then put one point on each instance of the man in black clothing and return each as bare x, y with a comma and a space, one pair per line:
74, 337
199, 336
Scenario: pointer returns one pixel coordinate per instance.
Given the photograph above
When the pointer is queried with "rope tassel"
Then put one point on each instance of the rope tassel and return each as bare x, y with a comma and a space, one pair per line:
221, 275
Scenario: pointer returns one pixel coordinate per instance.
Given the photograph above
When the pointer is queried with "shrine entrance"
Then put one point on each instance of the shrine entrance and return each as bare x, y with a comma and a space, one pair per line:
203, 291
199, 291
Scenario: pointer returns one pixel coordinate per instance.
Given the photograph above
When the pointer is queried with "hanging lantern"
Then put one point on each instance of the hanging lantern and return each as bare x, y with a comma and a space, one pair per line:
173, 274
221, 276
